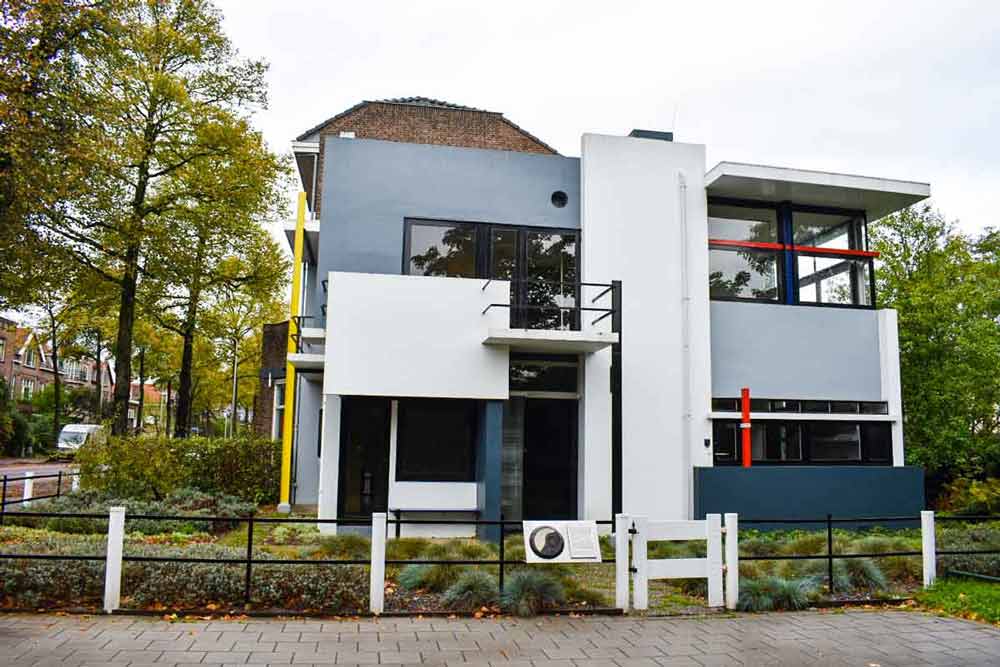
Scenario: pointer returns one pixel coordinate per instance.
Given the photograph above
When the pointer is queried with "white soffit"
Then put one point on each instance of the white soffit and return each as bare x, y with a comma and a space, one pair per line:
877, 196
311, 237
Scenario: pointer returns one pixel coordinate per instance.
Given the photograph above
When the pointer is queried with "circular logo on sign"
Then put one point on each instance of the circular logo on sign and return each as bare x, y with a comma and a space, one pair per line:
546, 542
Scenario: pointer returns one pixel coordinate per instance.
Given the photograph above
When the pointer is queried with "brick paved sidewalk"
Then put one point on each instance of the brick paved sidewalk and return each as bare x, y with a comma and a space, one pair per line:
853, 638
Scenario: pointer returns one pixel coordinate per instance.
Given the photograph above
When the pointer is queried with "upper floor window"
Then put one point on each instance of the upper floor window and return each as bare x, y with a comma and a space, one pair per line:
785, 253
540, 263
3, 349
29, 357
27, 388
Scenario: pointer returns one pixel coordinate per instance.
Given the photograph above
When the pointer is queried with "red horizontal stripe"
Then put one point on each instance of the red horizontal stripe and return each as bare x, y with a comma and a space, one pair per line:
747, 244
785, 246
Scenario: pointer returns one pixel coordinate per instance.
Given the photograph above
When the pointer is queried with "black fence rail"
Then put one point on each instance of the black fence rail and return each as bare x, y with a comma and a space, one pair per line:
830, 556
249, 561
6, 481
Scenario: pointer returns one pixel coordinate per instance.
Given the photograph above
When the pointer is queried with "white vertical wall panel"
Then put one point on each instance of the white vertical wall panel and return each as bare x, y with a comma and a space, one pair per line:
636, 194
419, 336
888, 346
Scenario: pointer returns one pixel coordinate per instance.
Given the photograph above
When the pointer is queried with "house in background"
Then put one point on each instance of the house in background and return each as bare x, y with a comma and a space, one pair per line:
483, 326
26, 365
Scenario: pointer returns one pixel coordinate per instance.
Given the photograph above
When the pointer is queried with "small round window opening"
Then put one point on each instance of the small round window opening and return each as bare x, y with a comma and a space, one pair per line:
559, 199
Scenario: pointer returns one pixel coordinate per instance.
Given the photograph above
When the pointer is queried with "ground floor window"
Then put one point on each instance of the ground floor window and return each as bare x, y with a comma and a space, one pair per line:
436, 440
774, 442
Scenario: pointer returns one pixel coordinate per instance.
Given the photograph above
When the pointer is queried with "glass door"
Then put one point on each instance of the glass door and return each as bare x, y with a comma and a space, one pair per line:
542, 265
364, 456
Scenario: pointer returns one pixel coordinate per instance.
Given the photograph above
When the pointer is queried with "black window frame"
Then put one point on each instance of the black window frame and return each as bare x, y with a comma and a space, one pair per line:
865, 428
789, 252
405, 475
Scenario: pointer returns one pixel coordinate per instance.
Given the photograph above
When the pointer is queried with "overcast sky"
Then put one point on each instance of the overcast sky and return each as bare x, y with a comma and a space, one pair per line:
907, 90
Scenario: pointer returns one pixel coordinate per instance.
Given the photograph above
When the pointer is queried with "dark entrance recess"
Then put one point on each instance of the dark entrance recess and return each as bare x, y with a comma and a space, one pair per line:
550, 458
364, 456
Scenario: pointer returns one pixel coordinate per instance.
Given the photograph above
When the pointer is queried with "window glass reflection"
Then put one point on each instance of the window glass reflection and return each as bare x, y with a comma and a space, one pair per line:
822, 230
739, 223
441, 249
832, 441
838, 280
551, 272
743, 274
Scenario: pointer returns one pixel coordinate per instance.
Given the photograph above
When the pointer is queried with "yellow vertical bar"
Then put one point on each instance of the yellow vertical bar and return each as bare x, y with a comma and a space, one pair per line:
287, 431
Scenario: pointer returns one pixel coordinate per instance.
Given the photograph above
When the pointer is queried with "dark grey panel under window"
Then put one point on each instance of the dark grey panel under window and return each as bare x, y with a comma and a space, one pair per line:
742, 273
436, 440
441, 249
834, 442
876, 442
874, 408
543, 376
741, 223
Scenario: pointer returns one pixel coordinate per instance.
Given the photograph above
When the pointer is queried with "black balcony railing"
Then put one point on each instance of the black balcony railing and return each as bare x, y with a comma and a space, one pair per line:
558, 305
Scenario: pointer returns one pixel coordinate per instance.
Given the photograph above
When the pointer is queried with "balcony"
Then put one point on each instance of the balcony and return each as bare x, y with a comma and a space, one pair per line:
558, 317
310, 344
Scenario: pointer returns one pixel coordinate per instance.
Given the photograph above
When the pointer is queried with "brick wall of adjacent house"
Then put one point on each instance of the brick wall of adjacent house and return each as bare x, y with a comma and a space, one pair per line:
274, 347
428, 125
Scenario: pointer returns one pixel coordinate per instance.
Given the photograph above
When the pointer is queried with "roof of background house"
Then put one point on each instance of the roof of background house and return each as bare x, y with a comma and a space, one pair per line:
421, 102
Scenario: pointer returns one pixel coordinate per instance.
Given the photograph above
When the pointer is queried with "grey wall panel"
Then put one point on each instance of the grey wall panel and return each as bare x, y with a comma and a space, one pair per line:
370, 187
808, 492
795, 351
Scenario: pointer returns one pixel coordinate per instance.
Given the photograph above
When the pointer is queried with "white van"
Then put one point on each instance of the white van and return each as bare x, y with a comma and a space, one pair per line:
73, 436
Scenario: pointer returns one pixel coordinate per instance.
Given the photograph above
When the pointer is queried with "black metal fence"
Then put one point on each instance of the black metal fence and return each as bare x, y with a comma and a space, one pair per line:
830, 556
8, 481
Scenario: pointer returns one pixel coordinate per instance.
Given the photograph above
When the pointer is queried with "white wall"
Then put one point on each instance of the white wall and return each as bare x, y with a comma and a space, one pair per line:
643, 202
428, 496
418, 336
329, 462
888, 338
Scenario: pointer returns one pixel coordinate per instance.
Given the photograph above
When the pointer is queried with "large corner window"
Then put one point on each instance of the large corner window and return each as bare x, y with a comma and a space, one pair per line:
774, 442
784, 253
541, 264
436, 440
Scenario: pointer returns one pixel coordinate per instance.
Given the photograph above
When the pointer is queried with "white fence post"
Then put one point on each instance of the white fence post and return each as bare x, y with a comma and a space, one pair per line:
732, 560
113, 562
376, 593
29, 488
713, 524
640, 582
74, 484
621, 561
929, 547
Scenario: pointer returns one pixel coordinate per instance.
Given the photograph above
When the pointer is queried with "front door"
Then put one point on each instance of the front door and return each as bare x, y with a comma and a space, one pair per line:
364, 456
550, 458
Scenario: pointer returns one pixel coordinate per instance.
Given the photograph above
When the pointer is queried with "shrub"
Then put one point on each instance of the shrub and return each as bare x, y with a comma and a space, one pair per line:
412, 577
347, 546
773, 593
865, 575
182, 501
406, 548
336, 589
972, 496
473, 589
526, 592
152, 468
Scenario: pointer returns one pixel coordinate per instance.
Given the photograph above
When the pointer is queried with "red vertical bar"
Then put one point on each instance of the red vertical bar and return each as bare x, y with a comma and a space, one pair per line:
745, 424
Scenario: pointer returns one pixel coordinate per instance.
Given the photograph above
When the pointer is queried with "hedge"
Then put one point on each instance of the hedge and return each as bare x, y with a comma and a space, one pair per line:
248, 468
338, 589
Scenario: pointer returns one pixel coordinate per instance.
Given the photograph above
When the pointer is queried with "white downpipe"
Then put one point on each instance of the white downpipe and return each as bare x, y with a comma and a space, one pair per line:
685, 336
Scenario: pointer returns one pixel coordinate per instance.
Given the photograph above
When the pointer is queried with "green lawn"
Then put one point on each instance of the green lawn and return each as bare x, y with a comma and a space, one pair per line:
965, 598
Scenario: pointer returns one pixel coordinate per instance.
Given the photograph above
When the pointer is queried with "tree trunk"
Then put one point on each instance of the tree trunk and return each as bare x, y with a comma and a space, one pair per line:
56, 382
166, 431
100, 378
123, 343
233, 419
142, 390
182, 427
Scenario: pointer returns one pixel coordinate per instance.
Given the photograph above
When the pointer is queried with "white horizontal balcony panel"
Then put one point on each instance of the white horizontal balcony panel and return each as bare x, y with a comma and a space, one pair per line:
551, 340
305, 361
417, 336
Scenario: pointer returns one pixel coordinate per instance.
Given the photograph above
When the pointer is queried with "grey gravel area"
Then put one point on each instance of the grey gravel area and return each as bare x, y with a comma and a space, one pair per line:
866, 638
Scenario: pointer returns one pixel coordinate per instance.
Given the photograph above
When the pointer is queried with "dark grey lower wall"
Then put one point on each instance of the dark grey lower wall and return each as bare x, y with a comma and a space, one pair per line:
809, 492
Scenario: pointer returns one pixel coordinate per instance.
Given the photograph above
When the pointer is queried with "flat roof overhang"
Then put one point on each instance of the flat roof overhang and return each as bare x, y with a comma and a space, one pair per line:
311, 246
878, 197
551, 340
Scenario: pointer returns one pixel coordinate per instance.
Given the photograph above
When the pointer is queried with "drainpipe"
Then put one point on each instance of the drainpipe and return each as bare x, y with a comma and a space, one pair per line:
685, 319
